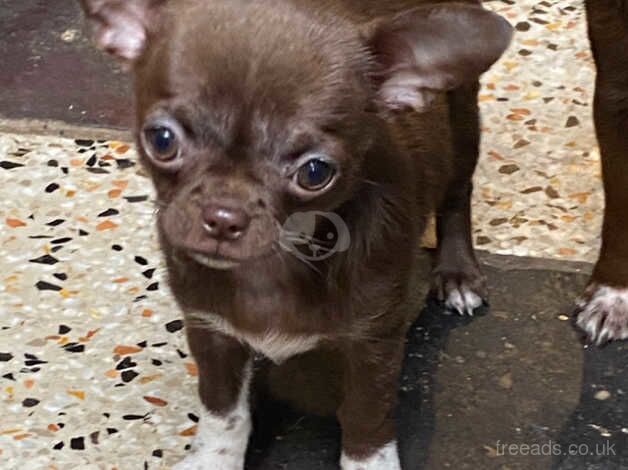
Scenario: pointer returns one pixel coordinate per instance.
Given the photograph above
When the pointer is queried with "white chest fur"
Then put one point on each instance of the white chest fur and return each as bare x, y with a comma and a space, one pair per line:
274, 345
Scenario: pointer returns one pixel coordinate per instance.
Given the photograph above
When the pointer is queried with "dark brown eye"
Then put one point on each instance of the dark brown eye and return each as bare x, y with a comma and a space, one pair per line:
162, 143
315, 174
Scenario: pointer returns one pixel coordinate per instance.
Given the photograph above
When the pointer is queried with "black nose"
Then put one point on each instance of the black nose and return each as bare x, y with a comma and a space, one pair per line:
224, 223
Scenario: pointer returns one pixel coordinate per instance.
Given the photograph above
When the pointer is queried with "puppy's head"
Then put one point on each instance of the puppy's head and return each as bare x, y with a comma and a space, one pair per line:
250, 112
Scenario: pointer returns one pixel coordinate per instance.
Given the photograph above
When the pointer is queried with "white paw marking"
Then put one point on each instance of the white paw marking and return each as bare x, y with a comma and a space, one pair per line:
221, 441
604, 316
274, 345
386, 458
463, 300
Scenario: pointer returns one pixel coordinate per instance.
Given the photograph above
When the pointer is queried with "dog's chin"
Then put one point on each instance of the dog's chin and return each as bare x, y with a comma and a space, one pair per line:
212, 262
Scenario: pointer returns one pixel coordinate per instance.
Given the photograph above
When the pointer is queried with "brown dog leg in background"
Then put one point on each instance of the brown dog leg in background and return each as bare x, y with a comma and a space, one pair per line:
603, 311
458, 281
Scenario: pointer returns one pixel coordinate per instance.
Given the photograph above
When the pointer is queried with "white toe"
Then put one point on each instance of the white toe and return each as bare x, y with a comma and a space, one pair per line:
386, 458
463, 300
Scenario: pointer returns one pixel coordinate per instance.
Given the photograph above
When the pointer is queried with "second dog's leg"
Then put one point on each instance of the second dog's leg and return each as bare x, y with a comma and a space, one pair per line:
458, 281
224, 371
603, 311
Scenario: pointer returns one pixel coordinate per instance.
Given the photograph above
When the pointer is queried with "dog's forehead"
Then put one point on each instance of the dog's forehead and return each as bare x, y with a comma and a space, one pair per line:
265, 54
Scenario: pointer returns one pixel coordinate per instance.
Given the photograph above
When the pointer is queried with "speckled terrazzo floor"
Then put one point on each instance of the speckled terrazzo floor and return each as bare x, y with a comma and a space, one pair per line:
92, 353
539, 182
94, 371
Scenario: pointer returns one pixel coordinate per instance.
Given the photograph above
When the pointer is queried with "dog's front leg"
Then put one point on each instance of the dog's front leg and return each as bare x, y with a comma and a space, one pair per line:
367, 412
224, 370
603, 311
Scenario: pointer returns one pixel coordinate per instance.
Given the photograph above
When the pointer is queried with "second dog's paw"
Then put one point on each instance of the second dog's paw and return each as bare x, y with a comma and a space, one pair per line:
602, 313
460, 292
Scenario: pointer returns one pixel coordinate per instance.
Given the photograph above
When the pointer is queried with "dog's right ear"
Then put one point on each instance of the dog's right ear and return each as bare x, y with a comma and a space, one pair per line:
434, 48
122, 27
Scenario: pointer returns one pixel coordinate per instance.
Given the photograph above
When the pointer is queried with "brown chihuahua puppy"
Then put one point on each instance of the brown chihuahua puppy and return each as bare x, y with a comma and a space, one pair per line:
297, 148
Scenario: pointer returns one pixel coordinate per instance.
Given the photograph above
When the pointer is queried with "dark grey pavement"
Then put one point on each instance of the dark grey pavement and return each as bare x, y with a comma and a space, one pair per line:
51, 71
513, 389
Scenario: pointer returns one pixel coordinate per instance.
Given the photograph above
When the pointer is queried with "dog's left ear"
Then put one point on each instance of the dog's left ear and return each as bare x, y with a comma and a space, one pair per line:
432, 49
122, 27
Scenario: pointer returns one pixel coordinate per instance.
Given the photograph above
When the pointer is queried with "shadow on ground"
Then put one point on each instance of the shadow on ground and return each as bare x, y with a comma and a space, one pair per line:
510, 389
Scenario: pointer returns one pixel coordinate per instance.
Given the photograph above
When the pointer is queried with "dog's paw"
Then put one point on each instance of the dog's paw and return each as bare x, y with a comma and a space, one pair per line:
221, 440
386, 458
602, 313
460, 292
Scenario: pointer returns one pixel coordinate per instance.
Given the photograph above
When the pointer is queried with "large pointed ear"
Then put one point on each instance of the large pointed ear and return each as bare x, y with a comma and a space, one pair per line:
121, 27
434, 48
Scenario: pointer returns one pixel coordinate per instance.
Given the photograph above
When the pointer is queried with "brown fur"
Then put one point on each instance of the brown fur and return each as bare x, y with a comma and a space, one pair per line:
601, 317
255, 83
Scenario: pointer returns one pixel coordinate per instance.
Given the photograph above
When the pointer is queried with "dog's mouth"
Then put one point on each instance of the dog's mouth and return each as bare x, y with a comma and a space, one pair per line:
193, 244
214, 262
